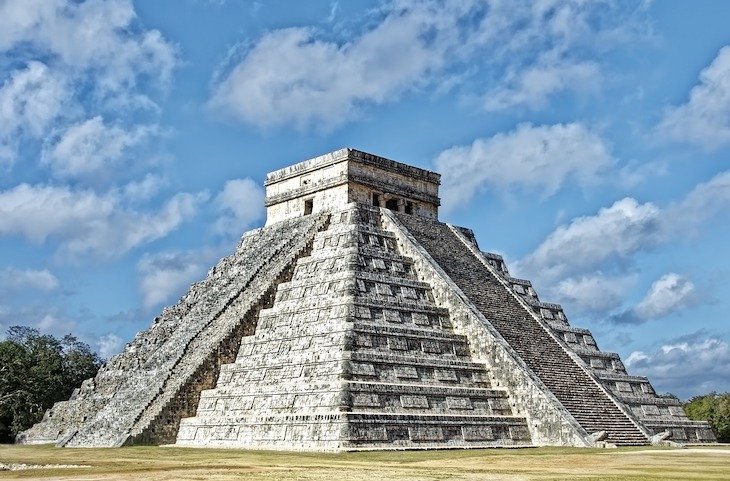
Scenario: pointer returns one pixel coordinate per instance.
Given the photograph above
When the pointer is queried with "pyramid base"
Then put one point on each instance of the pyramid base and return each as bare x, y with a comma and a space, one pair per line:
356, 431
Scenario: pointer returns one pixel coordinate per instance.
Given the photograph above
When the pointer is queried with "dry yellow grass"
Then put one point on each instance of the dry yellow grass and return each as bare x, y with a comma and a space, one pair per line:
168, 463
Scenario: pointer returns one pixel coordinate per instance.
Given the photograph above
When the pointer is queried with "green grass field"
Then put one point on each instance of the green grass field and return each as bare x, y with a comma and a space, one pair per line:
167, 463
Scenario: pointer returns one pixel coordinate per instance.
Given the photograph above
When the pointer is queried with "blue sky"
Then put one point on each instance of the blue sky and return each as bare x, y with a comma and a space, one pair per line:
586, 142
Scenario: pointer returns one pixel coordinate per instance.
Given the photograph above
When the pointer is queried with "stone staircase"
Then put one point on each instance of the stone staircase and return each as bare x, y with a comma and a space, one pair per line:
354, 354
567, 380
660, 415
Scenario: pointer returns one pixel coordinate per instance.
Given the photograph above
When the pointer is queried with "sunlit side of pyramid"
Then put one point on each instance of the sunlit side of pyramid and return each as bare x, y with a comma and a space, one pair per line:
356, 320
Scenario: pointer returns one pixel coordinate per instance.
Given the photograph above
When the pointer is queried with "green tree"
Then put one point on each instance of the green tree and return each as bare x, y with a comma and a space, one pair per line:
37, 370
713, 408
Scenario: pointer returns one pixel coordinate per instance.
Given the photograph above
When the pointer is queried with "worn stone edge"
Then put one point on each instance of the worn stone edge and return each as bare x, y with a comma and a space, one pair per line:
624, 410
577, 435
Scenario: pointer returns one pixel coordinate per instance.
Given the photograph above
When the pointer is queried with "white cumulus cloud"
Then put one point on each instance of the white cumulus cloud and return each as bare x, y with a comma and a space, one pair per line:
533, 86
667, 294
576, 256
13, 279
85, 222
30, 99
90, 146
165, 276
704, 120
593, 293
95, 57
108, 345
241, 203
685, 367
614, 234
98, 35
290, 76
541, 158
529, 51
704, 202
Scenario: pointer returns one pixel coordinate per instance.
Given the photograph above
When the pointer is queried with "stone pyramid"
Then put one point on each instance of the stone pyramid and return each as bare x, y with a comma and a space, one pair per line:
356, 320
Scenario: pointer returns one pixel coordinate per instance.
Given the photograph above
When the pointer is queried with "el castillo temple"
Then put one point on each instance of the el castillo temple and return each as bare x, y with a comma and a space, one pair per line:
355, 319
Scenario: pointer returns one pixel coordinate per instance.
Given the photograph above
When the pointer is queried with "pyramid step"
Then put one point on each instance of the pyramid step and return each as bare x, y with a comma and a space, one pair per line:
427, 389
361, 430
294, 362
420, 398
414, 430
415, 331
416, 360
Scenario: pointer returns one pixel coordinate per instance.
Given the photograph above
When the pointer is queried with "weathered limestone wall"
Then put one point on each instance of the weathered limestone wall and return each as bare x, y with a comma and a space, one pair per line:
409, 362
322, 201
369, 174
353, 354
343, 326
347, 175
548, 421
129, 394
65, 417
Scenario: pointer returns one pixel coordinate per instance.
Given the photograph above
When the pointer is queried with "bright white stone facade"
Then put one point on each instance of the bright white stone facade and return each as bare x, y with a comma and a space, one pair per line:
336, 179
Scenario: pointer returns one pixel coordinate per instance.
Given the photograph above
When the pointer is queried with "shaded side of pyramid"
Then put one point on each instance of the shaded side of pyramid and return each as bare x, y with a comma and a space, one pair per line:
592, 385
663, 416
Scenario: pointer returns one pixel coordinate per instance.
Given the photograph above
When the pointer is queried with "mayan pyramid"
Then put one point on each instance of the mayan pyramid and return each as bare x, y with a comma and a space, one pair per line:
356, 320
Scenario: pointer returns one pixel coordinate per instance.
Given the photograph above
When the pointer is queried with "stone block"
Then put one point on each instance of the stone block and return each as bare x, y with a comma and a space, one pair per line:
419, 402
445, 375
362, 369
405, 372
365, 400
458, 403
426, 433
477, 433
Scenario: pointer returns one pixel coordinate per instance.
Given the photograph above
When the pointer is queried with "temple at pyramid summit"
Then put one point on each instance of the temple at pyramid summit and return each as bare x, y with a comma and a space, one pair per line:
355, 319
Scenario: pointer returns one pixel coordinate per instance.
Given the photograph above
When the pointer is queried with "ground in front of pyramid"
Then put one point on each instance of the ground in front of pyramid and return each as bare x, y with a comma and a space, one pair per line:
355, 319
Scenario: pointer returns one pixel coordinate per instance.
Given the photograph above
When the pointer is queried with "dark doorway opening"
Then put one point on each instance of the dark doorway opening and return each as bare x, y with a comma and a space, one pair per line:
308, 206
376, 199
391, 204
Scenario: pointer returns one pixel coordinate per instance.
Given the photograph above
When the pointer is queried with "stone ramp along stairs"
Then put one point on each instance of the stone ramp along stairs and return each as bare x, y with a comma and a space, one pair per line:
353, 320
577, 391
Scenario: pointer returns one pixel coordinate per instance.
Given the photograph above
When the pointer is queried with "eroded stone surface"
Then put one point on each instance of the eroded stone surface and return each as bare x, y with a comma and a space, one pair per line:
356, 320
354, 354
162, 370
